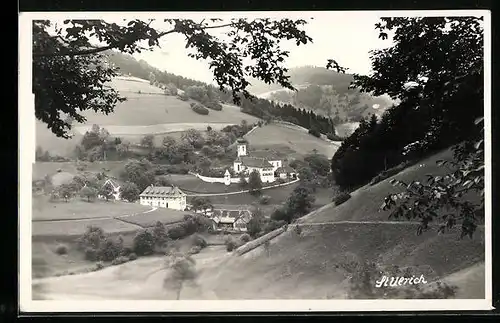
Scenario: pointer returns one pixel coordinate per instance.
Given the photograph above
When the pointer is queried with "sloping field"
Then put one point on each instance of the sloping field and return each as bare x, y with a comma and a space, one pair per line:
274, 136
147, 109
155, 129
40, 169
147, 112
141, 279
372, 197
190, 184
306, 266
149, 219
74, 228
55, 145
346, 129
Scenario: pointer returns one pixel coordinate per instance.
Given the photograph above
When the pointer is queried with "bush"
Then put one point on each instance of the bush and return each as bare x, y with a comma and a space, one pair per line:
199, 241
387, 173
194, 250
91, 254
144, 243
341, 198
314, 132
177, 232
273, 225
62, 249
213, 105
298, 230
264, 199
245, 238
99, 265
120, 260
333, 137
230, 245
132, 256
181, 169
183, 97
127, 251
198, 108
110, 250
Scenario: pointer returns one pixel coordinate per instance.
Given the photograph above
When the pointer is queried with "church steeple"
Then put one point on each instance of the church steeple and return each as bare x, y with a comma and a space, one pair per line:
242, 146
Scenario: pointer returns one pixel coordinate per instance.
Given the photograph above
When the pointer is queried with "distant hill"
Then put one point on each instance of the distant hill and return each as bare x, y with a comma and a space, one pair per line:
147, 110
319, 89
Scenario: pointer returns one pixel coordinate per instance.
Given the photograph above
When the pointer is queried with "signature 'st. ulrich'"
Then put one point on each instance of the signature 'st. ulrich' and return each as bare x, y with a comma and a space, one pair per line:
399, 281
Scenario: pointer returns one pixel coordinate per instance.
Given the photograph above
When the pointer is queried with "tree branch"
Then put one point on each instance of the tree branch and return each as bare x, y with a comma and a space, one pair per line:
108, 47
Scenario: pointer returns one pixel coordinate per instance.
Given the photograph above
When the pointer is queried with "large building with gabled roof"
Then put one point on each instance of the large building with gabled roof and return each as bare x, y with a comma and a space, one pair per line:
164, 196
265, 163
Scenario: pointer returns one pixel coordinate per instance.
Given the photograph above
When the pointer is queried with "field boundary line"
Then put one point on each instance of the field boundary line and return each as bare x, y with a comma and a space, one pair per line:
244, 191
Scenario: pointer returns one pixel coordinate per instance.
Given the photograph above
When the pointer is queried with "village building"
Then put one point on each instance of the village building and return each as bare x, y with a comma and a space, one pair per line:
164, 196
115, 188
265, 163
231, 220
286, 172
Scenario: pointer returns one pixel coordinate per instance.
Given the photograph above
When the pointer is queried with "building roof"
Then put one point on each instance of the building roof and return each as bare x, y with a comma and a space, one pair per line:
267, 154
286, 169
254, 162
162, 191
230, 216
113, 182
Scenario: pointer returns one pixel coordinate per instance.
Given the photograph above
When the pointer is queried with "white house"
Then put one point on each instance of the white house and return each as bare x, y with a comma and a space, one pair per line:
164, 196
115, 186
265, 163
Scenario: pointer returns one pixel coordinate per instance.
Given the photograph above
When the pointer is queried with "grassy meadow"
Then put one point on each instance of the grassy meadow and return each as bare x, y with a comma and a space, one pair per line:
278, 137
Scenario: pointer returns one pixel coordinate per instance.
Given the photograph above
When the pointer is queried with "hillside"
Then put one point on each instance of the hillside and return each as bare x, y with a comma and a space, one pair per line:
146, 111
307, 266
288, 139
298, 267
316, 84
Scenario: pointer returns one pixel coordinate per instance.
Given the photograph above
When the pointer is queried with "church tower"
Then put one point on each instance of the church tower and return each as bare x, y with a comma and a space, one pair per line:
242, 147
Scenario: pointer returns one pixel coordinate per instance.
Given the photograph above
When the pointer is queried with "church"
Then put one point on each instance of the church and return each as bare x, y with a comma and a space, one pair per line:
265, 163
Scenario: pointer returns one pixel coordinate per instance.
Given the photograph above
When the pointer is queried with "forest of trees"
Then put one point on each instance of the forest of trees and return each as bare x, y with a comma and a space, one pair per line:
128, 65
436, 112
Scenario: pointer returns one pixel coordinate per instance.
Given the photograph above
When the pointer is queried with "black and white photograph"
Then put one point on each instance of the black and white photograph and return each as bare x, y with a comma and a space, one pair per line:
255, 161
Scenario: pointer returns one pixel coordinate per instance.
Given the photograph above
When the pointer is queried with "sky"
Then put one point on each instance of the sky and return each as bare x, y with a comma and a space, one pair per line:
345, 37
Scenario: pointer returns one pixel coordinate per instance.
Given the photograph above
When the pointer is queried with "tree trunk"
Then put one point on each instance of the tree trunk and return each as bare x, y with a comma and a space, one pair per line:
179, 291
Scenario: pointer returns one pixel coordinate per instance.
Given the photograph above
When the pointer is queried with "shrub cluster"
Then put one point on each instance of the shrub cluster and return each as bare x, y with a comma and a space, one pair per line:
62, 249
388, 173
333, 137
230, 244
341, 198
314, 132
214, 105
198, 108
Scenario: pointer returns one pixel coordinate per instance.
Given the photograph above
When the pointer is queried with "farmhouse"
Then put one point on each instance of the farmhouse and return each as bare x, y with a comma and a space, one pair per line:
115, 187
231, 220
164, 196
265, 163
286, 172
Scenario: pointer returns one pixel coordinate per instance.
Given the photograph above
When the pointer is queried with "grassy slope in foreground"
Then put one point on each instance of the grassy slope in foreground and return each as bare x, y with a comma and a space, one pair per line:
304, 267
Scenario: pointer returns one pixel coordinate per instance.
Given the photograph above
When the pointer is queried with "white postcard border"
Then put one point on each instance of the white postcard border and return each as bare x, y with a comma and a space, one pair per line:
27, 157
